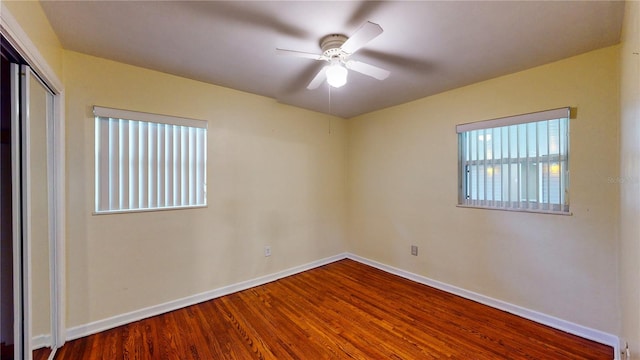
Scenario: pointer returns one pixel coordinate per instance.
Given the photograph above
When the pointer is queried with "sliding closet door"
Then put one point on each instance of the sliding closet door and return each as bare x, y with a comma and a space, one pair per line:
39, 114
19, 318
33, 213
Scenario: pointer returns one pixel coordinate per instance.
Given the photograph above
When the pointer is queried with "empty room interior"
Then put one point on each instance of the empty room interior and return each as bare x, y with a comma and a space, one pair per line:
313, 179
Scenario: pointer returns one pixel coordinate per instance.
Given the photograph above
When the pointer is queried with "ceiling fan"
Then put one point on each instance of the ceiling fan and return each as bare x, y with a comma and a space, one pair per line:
337, 50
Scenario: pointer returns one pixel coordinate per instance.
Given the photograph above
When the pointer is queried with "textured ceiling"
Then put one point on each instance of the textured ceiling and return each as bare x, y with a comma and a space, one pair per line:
429, 46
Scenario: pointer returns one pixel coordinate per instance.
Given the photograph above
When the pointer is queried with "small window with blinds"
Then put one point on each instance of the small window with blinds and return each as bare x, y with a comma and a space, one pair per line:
516, 163
147, 162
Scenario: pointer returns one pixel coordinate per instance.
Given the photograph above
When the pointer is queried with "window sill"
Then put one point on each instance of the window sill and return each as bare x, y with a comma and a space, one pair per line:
112, 212
535, 211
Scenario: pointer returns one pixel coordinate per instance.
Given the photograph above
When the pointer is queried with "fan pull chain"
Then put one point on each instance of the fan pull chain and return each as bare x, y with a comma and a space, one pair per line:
330, 109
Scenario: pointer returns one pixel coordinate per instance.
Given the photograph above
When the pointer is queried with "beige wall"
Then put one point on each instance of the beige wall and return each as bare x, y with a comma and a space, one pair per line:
275, 177
403, 190
630, 178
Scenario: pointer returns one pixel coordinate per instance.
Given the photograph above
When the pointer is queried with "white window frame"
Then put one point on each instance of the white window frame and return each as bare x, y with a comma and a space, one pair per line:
532, 178
148, 162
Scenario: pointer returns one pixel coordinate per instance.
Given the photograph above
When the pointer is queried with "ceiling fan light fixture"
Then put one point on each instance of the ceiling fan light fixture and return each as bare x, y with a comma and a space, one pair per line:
337, 75
336, 51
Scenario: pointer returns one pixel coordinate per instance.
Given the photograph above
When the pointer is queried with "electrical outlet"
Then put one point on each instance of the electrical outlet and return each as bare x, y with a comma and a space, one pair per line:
267, 251
414, 250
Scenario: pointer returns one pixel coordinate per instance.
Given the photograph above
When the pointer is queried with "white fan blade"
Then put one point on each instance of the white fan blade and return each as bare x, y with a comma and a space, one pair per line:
367, 69
299, 54
319, 79
367, 32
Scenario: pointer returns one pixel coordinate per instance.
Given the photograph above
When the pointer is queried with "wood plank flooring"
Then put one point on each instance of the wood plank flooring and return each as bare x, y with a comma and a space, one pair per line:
344, 310
6, 353
41, 354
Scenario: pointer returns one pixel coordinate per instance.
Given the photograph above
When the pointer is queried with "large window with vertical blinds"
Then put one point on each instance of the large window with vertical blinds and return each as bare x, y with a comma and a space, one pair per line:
516, 163
148, 162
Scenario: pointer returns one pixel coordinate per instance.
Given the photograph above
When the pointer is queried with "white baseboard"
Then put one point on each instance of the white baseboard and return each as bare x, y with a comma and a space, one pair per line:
122, 319
41, 341
551, 321
556, 323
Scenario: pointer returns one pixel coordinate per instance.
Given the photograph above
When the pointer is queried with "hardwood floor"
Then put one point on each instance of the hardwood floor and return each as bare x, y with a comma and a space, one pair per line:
6, 351
41, 354
344, 310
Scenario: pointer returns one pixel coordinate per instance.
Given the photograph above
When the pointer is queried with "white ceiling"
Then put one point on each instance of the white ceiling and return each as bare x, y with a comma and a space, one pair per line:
429, 46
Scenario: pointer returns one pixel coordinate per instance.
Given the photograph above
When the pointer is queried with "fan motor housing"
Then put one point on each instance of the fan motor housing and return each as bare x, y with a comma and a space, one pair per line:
331, 44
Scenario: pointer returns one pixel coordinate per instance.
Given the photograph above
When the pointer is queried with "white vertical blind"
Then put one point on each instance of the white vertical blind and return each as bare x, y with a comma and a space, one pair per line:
518, 163
145, 161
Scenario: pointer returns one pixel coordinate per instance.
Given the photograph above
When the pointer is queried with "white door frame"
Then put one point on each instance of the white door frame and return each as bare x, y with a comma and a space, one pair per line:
20, 41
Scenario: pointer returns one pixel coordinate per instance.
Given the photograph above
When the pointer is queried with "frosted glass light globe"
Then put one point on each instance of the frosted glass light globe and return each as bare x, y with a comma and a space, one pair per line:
337, 75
